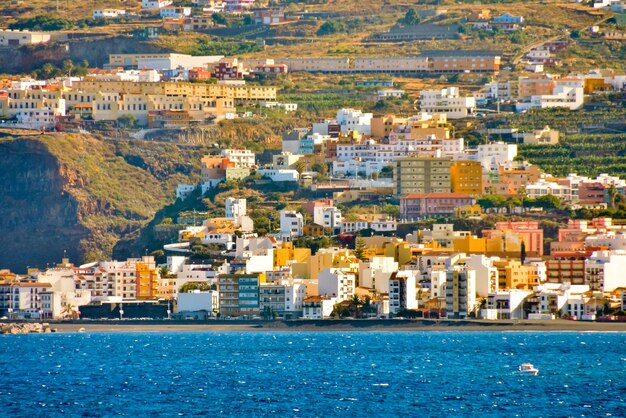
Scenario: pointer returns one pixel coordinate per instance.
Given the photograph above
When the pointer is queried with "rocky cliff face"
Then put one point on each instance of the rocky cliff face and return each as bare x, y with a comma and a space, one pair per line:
38, 217
82, 194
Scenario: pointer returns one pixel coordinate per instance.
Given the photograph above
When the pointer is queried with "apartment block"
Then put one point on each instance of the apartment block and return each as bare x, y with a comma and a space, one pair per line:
239, 294
422, 175
466, 177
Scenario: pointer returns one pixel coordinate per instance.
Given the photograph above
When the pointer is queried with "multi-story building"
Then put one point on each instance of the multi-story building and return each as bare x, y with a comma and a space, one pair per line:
22, 299
419, 205
317, 307
235, 207
241, 158
460, 292
402, 293
284, 300
604, 270
239, 294
328, 217
528, 231
447, 101
354, 120
422, 175
291, 224
148, 278
337, 283
466, 177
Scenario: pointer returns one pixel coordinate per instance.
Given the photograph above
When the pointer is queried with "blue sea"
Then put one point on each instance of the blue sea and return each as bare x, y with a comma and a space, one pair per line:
312, 374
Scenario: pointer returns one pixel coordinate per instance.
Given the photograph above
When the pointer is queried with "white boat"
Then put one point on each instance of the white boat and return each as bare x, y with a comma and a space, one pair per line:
528, 368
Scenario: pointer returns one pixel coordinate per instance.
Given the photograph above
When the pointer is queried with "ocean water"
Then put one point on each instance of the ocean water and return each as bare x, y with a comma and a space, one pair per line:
312, 374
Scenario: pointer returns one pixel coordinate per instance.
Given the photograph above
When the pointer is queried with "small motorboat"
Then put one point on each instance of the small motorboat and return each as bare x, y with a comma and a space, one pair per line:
528, 368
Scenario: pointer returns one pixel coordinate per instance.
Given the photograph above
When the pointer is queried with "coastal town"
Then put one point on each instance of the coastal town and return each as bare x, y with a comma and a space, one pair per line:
435, 185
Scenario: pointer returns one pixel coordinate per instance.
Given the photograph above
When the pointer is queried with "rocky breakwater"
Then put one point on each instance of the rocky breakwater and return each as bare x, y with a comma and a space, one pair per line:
25, 328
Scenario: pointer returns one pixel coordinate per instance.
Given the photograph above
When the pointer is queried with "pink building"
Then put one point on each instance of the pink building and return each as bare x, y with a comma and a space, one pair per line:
528, 231
419, 205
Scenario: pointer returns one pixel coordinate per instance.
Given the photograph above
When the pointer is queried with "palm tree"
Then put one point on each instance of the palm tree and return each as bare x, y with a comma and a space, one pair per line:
356, 306
69, 310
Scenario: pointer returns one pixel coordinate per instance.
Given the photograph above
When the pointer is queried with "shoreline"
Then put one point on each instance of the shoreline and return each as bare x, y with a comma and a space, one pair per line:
363, 325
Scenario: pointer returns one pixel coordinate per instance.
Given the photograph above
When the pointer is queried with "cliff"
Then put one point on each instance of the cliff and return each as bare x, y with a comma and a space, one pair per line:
82, 194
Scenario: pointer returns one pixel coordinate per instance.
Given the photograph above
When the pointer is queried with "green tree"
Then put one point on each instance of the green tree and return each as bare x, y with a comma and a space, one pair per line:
127, 121
68, 67
219, 19
331, 27
410, 17
359, 249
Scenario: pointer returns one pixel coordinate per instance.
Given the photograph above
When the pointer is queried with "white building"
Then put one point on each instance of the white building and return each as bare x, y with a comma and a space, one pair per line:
375, 274
327, 216
447, 101
317, 307
570, 97
460, 292
543, 187
39, 118
242, 158
175, 12
291, 224
402, 293
337, 283
354, 120
10, 37
280, 175
490, 155
506, 305
284, 299
172, 61
108, 13
184, 190
235, 208
353, 226
197, 300
384, 225
604, 270
155, 4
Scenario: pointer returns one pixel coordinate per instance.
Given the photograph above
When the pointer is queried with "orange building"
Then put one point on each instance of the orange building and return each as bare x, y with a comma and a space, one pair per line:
535, 85
466, 177
147, 276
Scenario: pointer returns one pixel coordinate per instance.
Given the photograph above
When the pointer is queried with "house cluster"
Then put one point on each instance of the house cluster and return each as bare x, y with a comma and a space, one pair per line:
439, 272
543, 90
506, 21
153, 96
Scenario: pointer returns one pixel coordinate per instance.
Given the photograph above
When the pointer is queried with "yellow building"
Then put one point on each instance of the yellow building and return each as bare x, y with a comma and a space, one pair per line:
467, 211
287, 254
313, 230
513, 275
592, 85
466, 177
148, 278
504, 244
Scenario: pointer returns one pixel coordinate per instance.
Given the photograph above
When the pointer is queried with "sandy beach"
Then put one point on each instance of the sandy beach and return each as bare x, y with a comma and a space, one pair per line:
336, 325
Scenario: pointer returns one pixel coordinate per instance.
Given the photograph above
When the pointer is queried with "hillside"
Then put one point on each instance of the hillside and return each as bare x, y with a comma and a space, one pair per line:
81, 194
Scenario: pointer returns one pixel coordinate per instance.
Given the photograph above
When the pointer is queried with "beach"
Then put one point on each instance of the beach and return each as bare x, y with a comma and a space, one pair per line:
335, 325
